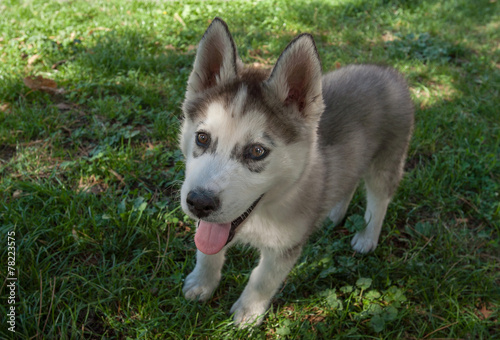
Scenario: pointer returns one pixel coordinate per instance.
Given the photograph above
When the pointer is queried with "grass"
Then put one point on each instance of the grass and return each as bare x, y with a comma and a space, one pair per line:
90, 173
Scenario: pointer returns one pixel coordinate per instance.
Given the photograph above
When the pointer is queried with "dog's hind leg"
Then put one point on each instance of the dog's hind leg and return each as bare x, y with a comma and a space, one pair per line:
202, 281
338, 212
380, 186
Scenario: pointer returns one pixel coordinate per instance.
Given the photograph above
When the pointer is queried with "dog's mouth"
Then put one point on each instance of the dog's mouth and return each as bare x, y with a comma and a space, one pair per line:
210, 238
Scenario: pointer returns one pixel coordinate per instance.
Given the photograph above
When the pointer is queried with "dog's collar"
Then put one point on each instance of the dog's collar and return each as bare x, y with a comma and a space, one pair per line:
236, 223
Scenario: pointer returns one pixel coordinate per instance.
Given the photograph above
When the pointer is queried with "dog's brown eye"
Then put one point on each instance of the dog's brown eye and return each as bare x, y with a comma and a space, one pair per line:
257, 152
202, 139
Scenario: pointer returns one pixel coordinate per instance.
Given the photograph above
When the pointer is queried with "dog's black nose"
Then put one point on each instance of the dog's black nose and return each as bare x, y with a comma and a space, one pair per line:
202, 202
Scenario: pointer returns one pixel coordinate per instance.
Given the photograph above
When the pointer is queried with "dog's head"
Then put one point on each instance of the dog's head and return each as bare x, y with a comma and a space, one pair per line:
246, 133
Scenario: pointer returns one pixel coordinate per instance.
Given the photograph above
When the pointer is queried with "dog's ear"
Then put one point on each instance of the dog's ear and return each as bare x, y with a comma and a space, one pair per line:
296, 77
216, 59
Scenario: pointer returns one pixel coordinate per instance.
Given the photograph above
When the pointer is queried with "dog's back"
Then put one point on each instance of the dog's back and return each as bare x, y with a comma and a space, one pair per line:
365, 99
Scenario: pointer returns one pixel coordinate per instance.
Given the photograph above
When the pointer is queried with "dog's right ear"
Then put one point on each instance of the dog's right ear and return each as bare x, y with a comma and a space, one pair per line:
216, 59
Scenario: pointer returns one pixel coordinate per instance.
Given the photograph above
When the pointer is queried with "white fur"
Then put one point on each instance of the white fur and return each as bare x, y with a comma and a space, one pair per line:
235, 185
273, 226
262, 285
201, 283
376, 206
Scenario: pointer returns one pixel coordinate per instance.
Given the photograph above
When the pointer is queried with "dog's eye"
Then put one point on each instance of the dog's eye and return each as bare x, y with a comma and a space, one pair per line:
257, 152
202, 139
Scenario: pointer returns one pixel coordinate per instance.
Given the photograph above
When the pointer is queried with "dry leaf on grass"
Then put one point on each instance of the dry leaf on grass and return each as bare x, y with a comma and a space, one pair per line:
485, 311
63, 106
259, 65
179, 19
99, 29
388, 36
120, 178
58, 63
40, 83
33, 59
75, 235
92, 185
4, 107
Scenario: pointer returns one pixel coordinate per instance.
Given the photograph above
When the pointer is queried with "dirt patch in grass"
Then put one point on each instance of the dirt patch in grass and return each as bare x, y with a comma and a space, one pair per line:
7, 152
418, 159
94, 326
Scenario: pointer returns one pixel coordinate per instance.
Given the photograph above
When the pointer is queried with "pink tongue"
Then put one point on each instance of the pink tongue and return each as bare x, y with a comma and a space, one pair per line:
210, 238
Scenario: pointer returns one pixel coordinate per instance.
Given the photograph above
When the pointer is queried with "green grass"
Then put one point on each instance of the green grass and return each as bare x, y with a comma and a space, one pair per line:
89, 176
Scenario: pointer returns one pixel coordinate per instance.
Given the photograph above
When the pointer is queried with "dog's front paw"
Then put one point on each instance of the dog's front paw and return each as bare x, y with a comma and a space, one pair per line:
248, 313
363, 242
199, 287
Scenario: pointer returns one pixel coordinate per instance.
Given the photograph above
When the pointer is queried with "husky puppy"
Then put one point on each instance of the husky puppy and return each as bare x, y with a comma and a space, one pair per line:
270, 154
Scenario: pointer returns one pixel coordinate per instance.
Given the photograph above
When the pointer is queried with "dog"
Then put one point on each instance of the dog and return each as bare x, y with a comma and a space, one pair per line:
270, 153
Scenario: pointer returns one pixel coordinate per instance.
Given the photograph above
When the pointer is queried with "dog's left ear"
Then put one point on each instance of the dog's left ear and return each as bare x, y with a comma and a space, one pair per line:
216, 58
296, 77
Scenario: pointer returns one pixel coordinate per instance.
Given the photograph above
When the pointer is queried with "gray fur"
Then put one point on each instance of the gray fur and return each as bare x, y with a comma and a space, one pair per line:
366, 126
